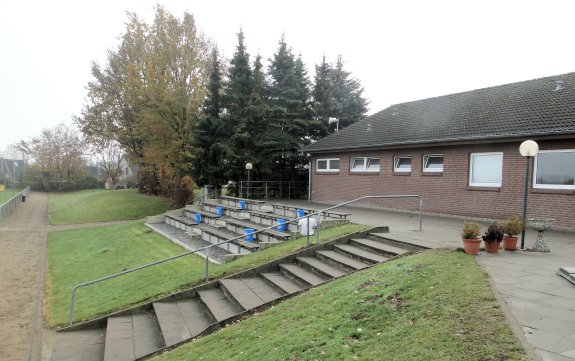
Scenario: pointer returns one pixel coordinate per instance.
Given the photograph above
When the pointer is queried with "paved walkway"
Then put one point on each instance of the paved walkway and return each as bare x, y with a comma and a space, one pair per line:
539, 304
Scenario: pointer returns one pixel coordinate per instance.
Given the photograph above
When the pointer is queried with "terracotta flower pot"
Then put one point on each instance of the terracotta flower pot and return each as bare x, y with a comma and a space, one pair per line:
492, 247
471, 246
510, 243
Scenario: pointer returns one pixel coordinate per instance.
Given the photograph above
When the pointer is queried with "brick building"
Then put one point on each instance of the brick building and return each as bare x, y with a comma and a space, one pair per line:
460, 153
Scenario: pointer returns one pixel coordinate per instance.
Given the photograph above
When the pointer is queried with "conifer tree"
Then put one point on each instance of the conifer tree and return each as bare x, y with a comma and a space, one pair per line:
210, 134
336, 95
289, 116
240, 146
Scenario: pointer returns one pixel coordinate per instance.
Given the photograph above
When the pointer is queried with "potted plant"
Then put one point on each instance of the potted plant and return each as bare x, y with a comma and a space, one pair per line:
470, 236
493, 237
512, 227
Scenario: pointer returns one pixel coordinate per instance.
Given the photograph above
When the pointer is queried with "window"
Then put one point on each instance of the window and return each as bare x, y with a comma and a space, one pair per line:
364, 164
555, 169
327, 165
402, 164
433, 163
485, 169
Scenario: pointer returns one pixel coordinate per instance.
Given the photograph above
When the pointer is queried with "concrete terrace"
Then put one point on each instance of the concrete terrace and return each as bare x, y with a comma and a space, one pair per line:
539, 304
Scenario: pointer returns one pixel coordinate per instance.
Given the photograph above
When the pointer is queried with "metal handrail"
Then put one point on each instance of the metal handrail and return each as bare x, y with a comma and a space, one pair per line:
207, 248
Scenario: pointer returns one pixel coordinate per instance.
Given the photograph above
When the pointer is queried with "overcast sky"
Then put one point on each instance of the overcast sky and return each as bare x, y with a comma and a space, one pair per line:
399, 50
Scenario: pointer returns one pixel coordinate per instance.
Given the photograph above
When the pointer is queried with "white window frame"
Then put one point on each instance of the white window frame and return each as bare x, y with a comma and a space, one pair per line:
426, 159
329, 165
365, 168
495, 185
396, 160
550, 186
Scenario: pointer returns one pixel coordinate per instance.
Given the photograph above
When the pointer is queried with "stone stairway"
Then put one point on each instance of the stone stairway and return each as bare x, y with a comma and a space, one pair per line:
167, 322
227, 218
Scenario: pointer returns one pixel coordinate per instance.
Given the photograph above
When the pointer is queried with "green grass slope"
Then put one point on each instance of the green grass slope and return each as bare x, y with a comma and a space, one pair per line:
436, 305
81, 255
103, 205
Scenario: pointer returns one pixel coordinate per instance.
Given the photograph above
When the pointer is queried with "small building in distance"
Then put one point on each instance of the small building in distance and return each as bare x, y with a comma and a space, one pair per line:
460, 153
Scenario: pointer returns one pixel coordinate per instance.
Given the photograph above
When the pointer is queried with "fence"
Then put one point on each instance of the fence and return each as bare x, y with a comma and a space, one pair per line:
8, 207
274, 189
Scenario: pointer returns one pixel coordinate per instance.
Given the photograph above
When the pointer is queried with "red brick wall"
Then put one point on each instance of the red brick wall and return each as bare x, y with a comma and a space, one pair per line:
449, 192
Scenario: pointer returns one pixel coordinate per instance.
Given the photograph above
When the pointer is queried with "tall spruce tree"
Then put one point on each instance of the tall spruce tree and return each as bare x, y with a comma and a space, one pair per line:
289, 116
336, 95
322, 97
240, 147
210, 133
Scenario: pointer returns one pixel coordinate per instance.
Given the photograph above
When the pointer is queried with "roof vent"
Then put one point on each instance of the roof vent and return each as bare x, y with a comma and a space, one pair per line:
368, 129
558, 85
395, 112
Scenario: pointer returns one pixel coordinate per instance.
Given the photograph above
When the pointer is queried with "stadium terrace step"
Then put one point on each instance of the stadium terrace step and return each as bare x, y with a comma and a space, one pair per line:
250, 292
377, 246
150, 329
131, 336
182, 320
360, 253
302, 274
220, 306
321, 267
342, 260
282, 282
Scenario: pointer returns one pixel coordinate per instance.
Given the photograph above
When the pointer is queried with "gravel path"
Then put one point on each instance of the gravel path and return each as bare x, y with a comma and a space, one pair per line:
22, 262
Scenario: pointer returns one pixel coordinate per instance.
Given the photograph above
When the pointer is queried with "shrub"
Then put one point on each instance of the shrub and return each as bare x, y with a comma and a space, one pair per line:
513, 226
494, 233
470, 230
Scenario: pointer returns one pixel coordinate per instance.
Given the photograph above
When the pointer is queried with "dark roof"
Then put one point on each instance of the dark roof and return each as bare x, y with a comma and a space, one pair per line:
530, 108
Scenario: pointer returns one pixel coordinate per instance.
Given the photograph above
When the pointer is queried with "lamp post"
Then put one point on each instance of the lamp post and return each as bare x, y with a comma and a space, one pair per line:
249, 167
528, 149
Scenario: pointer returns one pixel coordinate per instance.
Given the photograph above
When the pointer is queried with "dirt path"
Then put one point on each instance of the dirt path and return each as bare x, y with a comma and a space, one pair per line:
22, 260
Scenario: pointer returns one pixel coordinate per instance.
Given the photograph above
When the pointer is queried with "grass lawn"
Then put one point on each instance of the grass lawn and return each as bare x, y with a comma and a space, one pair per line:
436, 305
76, 256
103, 205
8, 193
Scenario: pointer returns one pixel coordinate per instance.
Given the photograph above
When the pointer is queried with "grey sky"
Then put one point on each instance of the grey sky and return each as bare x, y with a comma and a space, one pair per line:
399, 50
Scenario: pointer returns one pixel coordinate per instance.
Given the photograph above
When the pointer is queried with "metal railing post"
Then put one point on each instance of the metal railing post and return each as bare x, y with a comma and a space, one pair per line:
420, 213
307, 233
71, 316
208, 264
317, 229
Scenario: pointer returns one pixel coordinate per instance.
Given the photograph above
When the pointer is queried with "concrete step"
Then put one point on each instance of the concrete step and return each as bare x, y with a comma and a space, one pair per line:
219, 305
301, 274
322, 267
224, 235
250, 292
342, 260
377, 246
283, 282
83, 345
131, 336
360, 254
182, 320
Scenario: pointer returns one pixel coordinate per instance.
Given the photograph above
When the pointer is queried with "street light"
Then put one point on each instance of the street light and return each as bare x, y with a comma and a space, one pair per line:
249, 167
528, 149
334, 120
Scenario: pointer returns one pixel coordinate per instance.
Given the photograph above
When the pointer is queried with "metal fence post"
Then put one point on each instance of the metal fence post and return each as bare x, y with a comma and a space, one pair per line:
207, 264
318, 228
307, 231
